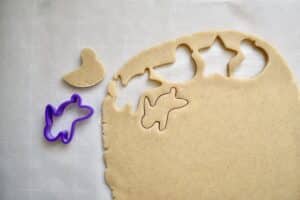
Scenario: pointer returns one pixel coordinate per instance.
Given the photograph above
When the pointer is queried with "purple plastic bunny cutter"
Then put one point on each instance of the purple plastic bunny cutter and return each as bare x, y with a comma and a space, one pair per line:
51, 112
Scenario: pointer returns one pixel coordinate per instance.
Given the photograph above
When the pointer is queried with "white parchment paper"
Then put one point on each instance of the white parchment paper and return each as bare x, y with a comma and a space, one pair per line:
40, 41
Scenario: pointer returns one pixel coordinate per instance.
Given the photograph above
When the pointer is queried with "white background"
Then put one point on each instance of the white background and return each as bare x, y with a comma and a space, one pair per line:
40, 41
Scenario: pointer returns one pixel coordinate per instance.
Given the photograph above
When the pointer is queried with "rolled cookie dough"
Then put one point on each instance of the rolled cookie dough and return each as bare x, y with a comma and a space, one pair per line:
90, 73
234, 139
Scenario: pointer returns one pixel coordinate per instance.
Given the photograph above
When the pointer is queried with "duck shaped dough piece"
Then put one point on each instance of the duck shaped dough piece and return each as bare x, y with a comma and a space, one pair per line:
90, 73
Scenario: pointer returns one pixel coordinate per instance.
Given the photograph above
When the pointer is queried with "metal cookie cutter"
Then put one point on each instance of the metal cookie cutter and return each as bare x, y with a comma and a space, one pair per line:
51, 112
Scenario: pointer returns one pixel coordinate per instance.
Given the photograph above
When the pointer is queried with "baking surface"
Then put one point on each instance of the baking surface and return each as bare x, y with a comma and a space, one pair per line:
41, 40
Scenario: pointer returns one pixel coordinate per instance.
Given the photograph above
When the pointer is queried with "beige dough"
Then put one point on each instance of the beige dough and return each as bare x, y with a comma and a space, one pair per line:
210, 138
90, 73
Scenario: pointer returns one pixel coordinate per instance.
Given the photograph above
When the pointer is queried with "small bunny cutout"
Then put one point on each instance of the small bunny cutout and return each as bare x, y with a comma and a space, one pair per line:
160, 111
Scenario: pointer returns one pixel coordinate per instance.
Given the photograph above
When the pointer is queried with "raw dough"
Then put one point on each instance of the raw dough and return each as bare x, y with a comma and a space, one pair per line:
90, 73
234, 139
159, 112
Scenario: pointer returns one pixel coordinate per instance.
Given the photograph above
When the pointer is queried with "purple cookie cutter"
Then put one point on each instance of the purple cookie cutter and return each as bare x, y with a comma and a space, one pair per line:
51, 112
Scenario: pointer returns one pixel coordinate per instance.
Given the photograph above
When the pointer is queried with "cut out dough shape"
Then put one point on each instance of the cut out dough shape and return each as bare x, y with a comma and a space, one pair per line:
90, 73
160, 111
236, 138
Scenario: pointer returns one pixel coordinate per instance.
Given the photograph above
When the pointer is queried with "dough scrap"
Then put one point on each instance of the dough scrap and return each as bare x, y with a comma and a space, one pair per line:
90, 73
235, 138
